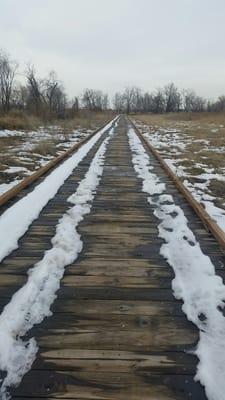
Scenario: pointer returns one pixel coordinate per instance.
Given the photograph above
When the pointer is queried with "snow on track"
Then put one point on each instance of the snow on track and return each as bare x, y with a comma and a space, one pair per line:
15, 221
31, 304
176, 143
4, 187
195, 282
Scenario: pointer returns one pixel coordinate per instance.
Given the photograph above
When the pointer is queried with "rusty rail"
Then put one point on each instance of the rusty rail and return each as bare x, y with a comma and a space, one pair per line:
15, 190
207, 221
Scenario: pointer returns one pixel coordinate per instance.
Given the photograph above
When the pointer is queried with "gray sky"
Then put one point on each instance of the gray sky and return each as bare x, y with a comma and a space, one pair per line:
110, 44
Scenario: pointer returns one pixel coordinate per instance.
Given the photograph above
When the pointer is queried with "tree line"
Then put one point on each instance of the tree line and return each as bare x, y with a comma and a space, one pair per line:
164, 100
47, 97
44, 97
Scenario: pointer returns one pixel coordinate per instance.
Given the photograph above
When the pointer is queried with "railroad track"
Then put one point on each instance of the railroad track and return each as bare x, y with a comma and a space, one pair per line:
116, 330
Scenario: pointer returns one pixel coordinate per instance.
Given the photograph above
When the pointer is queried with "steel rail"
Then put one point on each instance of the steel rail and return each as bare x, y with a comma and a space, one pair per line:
15, 190
207, 221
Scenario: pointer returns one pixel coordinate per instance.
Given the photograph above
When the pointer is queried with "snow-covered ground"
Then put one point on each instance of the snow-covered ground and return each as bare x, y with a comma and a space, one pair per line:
195, 282
185, 155
31, 304
25, 211
21, 153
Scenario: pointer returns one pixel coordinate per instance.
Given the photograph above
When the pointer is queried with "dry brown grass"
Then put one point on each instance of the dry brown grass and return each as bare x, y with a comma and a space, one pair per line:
17, 120
195, 127
201, 117
28, 150
208, 126
217, 188
86, 120
45, 148
214, 160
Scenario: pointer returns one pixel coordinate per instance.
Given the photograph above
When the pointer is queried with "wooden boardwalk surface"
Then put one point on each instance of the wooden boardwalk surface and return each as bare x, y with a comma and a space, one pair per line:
116, 331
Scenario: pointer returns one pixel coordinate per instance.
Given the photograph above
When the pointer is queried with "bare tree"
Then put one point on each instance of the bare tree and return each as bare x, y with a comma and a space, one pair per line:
47, 97
19, 97
88, 99
136, 100
127, 99
54, 95
189, 97
105, 101
147, 102
51, 86
35, 97
193, 103
60, 102
118, 102
75, 105
94, 100
130, 100
199, 104
8, 70
172, 98
158, 102
219, 105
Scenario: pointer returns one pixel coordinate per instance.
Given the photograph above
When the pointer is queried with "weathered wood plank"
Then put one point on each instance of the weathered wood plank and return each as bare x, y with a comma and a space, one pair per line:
98, 322
177, 339
110, 307
111, 386
96, 266
116, 332
115, 281
116, 361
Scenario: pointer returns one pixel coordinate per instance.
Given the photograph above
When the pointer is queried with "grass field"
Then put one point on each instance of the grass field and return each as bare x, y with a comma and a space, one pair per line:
22, 151
194, 147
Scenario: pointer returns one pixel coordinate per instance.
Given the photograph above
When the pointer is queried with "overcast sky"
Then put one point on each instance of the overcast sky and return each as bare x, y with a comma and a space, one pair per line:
110, 44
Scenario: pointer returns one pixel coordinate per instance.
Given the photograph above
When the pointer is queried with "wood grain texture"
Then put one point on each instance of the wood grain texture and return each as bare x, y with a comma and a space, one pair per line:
116, 330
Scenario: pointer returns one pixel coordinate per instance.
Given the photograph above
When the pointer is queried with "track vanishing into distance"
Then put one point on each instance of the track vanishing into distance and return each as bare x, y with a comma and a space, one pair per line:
116, 330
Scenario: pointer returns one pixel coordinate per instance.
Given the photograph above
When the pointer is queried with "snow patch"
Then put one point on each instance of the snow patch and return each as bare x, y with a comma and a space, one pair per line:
4, 187
195, 282
26, 210
168, 142
31, 304
12, 170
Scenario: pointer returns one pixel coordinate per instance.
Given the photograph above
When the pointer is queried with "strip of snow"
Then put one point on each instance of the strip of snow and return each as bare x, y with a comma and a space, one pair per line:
197, 190
159, 140
6, 186
12, 170
31, 304
178, 169
172, 140
217, 213
7, 133
210, 176
195, 282
15, 221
